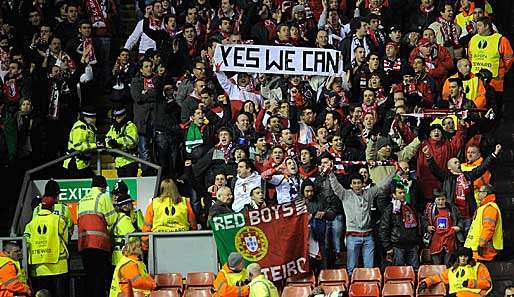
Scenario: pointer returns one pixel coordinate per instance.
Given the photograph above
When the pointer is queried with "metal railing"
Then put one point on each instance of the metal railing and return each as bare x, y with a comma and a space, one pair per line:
99, 152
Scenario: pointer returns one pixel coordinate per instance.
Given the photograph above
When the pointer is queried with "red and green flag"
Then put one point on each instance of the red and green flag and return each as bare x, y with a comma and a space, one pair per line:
276, 237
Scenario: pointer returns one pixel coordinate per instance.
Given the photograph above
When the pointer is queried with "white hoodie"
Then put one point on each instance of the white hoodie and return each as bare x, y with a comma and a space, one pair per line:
242, 190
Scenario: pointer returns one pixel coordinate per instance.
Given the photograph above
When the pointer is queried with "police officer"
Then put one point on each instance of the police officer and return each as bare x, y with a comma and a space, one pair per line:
52, 191
123, 136
47, 238
136, 216
123, 225
82, 139
96, 215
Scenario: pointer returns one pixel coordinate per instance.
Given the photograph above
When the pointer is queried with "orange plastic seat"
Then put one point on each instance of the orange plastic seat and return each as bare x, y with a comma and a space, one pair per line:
132, 294
196, 292
398, 274
199, 279
169, 280
438, 290
166, 293
398, 290
333, 276
429, 270
367, 275
296, 291
333, 287
364, 289
305, 279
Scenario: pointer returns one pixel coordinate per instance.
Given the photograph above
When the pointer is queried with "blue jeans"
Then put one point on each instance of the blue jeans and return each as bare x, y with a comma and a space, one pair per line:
466, 223
335, 233
143, 148
354, 246
403, 257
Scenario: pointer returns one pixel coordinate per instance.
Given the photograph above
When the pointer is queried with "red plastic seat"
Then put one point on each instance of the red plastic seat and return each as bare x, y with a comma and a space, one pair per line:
305, 279
197, 292
132, 294
364, 289
398, 274
333, 287
333, 276
200, 279
429, 270
296, 291
139, 294
398, 290
367, 275
166, 293
169, 280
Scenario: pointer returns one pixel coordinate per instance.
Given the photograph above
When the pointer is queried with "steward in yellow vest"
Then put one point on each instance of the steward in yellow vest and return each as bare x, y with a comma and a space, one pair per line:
169, 212
47, 239
260, 286
123, 136
131, 273
52, 191
13, 279
485, 236
82, 139
466, 278
122, 227
232, 278
492, 51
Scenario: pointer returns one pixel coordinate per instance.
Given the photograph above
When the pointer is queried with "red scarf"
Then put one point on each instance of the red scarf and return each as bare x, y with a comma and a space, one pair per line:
155, 23
449, 31
409, 216
85, 43
96, 11
461, 190
148, 83
307, 174
11, 89
395, 65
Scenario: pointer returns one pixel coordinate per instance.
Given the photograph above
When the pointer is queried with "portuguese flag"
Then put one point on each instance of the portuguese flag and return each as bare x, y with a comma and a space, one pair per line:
276, 237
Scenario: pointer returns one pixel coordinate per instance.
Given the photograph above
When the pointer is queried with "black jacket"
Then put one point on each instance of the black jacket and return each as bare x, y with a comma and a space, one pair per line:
392, 231
449, 180
325, 197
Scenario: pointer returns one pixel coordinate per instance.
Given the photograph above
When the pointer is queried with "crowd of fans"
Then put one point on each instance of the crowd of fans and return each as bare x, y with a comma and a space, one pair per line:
382, 153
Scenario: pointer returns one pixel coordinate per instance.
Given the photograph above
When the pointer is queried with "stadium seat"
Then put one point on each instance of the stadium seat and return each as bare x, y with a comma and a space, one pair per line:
398, 290
429, 270
196, 292
369, 289
296, 291
166, 293
438, 290
333, 276
139, 294
397, 274
333, 287
199, 279
305, 279
169, 280
367, 275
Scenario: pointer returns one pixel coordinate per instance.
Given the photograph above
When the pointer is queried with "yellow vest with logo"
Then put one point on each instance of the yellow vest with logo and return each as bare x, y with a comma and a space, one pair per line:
115, 284
44, 239
122, 227
60, 209
460, 274
127, 137
471, 88
473, 238
169, 217
485, 53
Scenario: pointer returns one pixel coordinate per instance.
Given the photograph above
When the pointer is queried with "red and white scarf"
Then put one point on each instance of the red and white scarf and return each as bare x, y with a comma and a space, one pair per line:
148, 83
85, 43
461, 190
394, 65
449, 31
11, 89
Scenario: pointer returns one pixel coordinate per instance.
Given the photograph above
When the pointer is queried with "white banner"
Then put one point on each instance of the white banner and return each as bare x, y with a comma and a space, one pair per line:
278, 60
